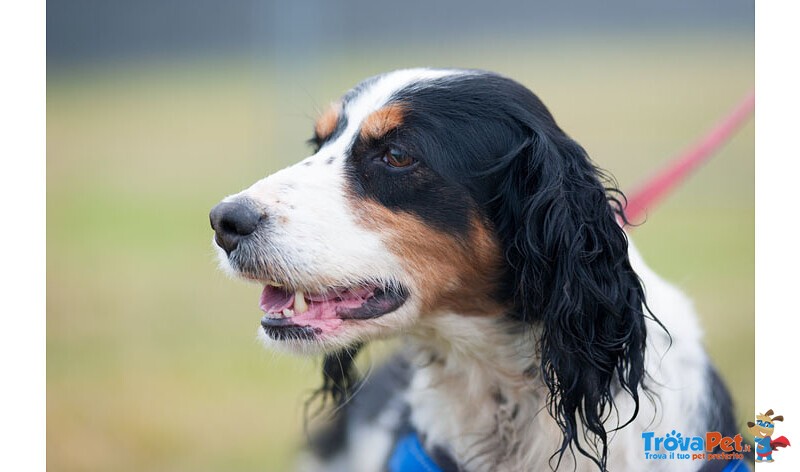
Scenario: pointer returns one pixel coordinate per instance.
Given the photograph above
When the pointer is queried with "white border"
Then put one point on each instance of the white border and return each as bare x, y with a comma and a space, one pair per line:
22, 189
22, 236
777, 229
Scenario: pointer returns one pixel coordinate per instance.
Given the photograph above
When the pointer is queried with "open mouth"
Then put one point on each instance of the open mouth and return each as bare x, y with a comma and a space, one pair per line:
295, 314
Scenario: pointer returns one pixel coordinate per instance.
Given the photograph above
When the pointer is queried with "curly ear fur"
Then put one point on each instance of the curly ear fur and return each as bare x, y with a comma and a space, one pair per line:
571, 277
339, 379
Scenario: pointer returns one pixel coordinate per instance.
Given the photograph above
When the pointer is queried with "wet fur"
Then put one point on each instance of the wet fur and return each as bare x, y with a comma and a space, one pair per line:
568, 345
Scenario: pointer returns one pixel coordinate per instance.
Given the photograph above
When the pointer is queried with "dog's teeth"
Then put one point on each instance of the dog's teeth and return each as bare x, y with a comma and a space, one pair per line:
300, 305
288, 312
274, 284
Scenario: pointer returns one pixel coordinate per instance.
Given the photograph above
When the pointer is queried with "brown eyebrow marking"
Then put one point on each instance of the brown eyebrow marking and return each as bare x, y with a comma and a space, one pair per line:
382, 121
326, 123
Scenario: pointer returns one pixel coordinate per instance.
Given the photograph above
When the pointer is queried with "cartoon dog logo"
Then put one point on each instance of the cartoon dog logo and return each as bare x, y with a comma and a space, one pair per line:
762, 430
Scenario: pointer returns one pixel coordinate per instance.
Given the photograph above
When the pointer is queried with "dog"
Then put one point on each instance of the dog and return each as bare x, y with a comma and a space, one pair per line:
762, 431
447, 207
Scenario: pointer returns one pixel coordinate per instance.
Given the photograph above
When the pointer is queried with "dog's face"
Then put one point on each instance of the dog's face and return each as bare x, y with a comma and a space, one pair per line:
436, 191
381, 225
764, 425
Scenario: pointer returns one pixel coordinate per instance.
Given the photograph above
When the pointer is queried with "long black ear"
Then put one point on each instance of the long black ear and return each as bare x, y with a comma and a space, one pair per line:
572, 279
340, 380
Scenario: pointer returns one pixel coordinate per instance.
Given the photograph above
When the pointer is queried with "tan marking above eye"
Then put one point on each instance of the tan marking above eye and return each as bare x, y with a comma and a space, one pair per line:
326, 123
382, 121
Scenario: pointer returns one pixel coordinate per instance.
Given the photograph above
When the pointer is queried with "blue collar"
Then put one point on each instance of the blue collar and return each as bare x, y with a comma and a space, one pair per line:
736, 465
410, 456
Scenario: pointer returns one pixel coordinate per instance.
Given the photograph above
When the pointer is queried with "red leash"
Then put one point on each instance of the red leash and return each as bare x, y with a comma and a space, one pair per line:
679, 168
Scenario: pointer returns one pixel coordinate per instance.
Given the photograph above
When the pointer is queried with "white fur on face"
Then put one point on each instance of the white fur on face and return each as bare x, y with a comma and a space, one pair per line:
314, 239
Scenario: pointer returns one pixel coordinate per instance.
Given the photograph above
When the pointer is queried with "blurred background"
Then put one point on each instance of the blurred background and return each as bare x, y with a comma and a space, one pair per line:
158, 109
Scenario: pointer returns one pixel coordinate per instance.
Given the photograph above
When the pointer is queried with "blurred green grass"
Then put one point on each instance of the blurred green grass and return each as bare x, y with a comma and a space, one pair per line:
151, 352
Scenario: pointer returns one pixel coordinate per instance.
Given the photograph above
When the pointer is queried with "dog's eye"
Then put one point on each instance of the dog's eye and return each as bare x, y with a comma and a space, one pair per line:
396, 158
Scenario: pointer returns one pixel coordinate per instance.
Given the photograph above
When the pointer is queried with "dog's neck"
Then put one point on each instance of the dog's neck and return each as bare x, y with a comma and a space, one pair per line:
477, 394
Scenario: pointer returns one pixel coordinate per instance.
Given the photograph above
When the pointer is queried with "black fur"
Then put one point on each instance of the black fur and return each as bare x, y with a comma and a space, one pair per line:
486, 143
721, 418
720, 413
339, 376
569, 272
442, 203
571, 276
381, 390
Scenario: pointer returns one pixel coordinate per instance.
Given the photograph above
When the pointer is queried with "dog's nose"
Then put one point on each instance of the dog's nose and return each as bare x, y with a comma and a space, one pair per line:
232, 222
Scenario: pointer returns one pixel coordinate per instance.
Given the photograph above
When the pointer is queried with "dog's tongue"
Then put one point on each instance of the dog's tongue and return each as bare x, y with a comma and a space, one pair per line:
275, 300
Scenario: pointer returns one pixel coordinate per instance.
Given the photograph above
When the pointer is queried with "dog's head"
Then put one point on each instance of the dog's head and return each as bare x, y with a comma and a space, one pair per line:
446, 191
764, 425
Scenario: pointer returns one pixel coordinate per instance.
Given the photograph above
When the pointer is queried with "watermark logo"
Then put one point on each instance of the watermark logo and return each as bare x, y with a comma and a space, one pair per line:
762, 431
711, 446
